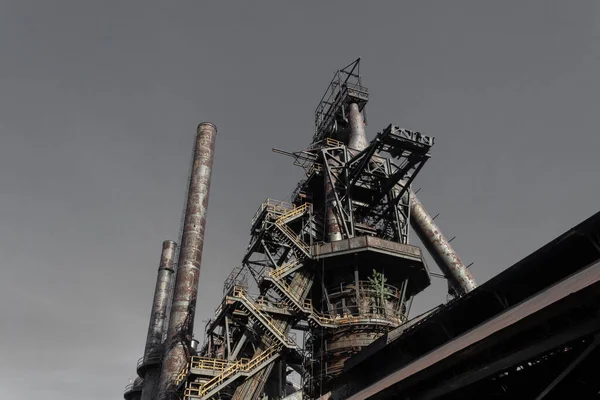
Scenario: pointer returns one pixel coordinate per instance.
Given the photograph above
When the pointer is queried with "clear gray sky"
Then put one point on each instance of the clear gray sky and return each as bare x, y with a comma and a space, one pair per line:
99, 102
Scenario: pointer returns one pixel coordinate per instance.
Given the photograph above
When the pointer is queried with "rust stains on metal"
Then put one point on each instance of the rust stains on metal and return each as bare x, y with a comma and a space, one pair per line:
445, 256
183, 306
149, 368
161, 298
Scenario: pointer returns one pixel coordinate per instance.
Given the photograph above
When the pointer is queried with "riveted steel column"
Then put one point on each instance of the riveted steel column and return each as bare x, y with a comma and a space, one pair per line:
150, 366
183, 308
441, 251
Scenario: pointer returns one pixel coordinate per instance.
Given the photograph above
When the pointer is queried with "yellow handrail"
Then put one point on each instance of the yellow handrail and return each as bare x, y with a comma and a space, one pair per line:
333, 143
292, 213
293, 237
241, 293
242, 365
276, 273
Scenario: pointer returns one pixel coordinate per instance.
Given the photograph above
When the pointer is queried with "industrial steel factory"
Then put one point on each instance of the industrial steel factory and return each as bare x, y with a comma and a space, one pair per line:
319, 306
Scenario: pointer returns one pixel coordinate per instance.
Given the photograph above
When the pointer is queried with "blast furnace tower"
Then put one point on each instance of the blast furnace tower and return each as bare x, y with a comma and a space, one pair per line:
333, 269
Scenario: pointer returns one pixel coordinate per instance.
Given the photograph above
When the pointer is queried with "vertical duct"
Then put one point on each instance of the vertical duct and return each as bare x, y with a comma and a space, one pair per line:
441, 251
357, 138
183, 307
149, 368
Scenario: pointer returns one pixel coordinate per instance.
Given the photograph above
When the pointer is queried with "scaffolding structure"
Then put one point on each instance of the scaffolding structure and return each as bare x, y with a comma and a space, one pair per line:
337, 296
333, 269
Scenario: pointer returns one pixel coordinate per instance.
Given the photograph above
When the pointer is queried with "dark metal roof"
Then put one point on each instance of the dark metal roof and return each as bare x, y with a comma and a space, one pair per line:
560, 258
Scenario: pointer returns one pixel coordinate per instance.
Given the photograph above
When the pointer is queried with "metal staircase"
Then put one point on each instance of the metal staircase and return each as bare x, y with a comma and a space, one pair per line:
271, 329
230, 372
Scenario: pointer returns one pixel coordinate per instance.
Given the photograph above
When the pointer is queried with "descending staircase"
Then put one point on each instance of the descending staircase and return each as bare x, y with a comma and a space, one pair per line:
231, 372
288, 236
265, 322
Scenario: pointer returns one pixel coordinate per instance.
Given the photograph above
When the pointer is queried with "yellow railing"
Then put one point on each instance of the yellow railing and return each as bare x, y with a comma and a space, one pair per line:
241, 293
276, 273
182, 375
291, 293
293, 213
242, 365
274, 206
294, 238
333, 143
315, 167
214, 364
353, 319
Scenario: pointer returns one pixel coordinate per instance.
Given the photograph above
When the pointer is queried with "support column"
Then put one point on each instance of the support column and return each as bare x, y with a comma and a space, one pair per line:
181, 321
334, 232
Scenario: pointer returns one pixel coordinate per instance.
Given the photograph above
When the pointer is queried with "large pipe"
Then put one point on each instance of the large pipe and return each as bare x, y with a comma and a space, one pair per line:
358, 138
437, 245
441, 251
181, 321
150, 367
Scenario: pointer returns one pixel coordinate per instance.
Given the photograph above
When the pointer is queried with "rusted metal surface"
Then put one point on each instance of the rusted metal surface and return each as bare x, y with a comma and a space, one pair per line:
573, 284
161, 297
149, 368
445, 256
181, 321
357, 138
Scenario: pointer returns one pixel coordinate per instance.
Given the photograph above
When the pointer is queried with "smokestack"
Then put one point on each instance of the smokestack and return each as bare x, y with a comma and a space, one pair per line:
441, 251
150, 366
183, 307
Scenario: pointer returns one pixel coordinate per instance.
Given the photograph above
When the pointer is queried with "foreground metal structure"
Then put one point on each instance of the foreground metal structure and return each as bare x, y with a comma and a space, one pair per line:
325, 288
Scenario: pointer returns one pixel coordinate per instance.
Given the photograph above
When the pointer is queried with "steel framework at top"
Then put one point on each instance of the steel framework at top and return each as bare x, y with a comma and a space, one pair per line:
345, 88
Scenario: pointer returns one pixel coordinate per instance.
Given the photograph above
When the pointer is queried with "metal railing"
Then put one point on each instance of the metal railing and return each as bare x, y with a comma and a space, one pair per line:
272, 205
283, 269
294, 212
243, 365
291, 235
268, 321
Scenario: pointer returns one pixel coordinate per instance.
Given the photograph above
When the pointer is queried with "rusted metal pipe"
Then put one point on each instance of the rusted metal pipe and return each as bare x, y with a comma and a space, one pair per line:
183, 308
441, 251
150, 366
357, 138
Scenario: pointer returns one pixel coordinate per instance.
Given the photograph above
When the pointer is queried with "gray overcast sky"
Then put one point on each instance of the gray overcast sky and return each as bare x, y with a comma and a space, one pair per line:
99, 102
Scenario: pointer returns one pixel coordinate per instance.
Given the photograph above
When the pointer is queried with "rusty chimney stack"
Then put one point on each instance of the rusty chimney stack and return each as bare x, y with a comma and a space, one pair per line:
149, 367
183, 307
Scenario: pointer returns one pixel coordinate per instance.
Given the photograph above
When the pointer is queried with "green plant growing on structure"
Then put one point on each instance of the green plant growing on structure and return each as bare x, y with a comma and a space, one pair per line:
382, 292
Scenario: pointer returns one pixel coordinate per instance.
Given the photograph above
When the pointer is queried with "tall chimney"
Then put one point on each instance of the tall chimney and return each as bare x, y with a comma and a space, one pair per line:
149, 368
183, 307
